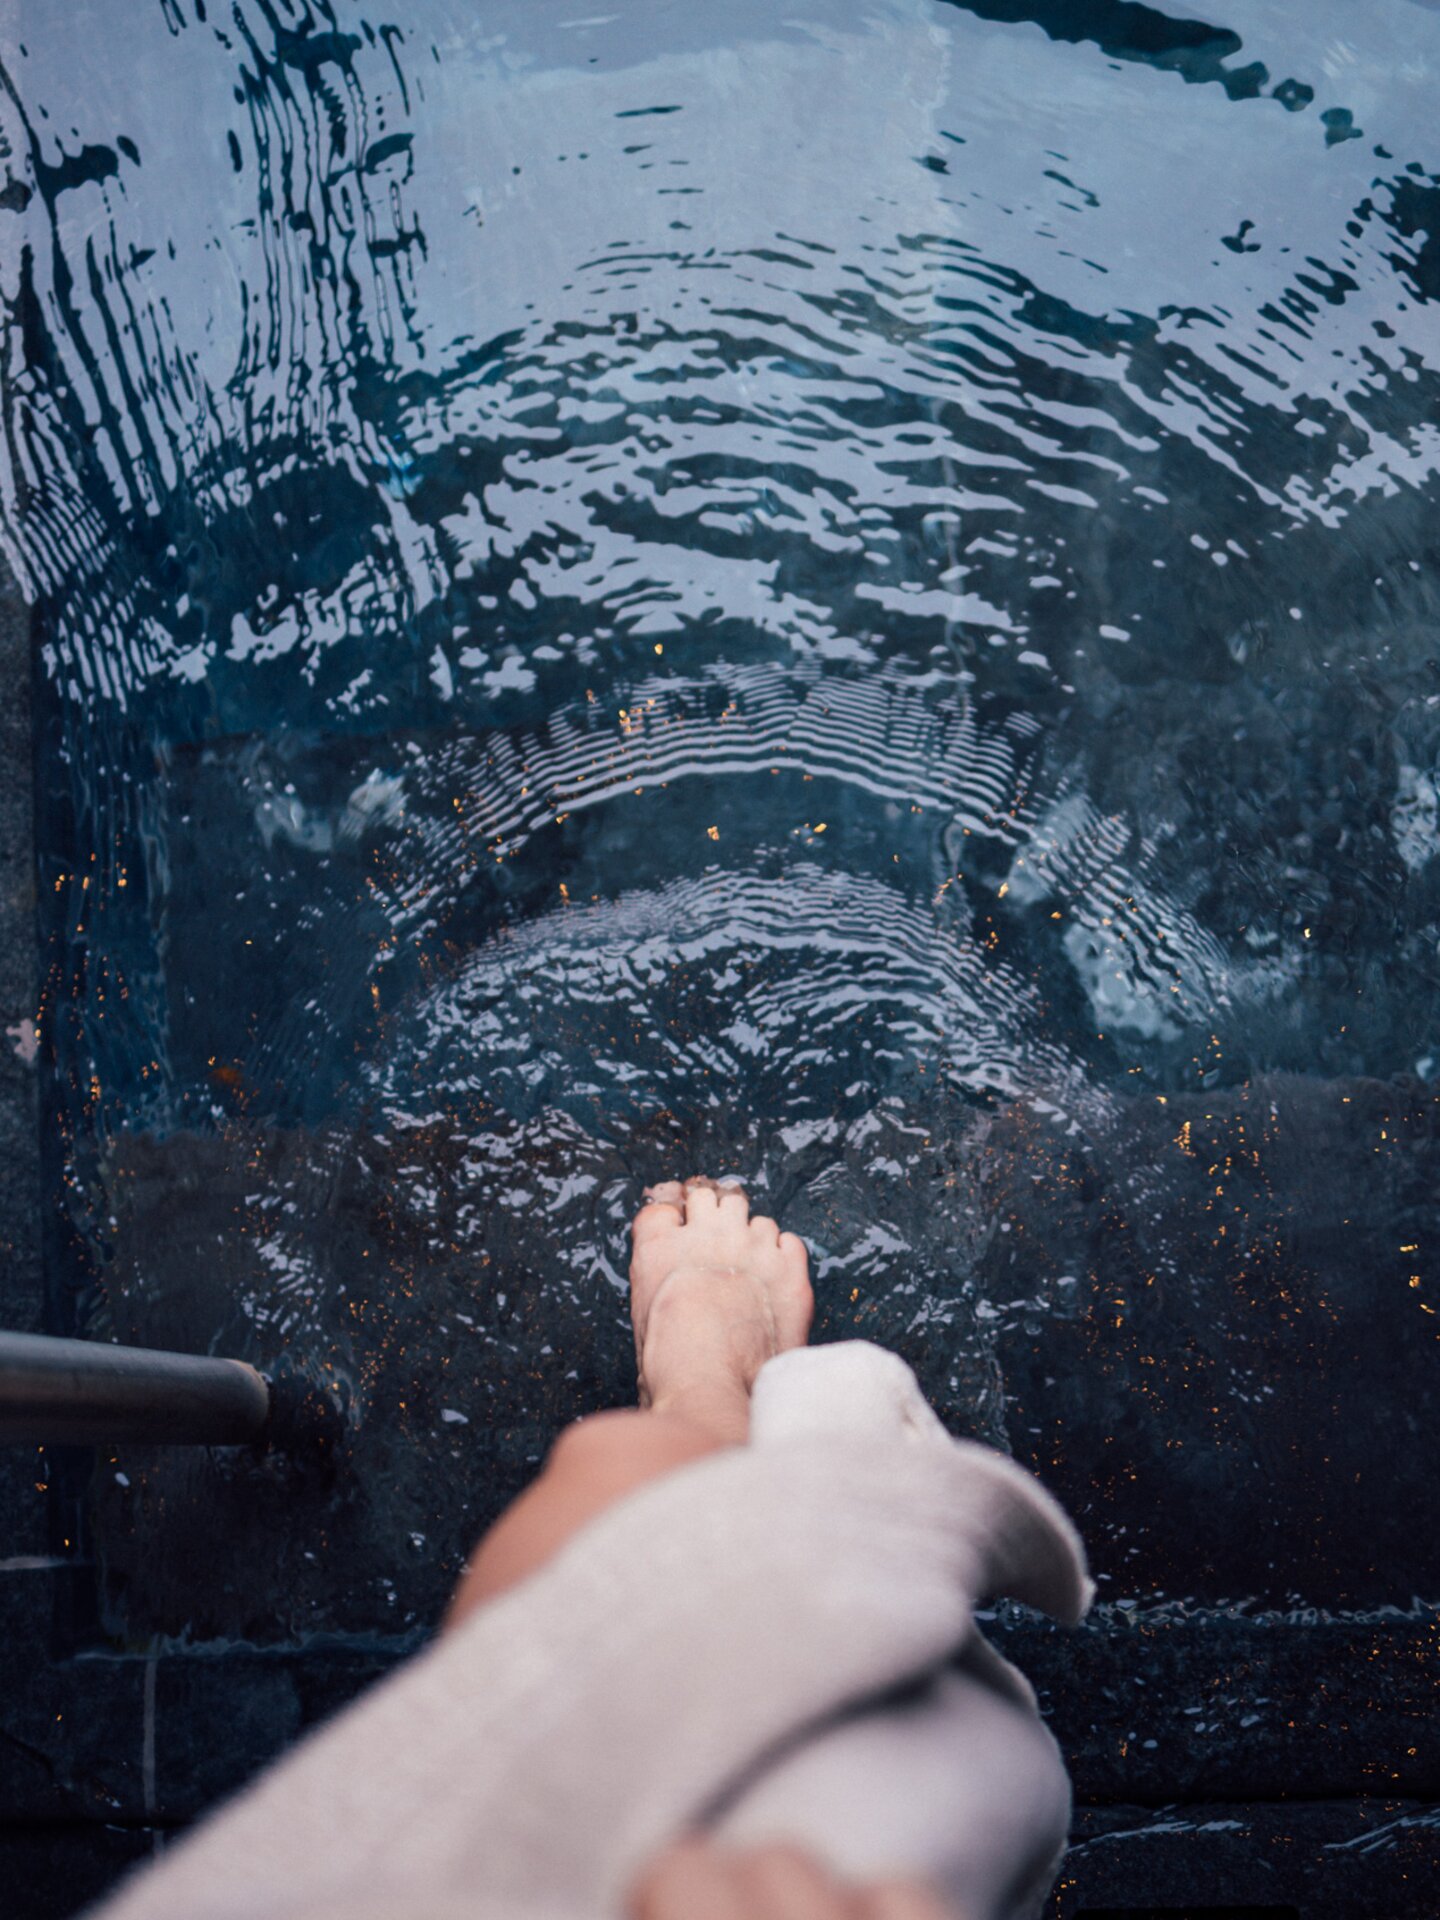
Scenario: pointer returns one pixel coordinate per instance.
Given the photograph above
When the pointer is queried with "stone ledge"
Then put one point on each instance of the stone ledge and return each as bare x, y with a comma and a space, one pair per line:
1332, 1711
1323, 1860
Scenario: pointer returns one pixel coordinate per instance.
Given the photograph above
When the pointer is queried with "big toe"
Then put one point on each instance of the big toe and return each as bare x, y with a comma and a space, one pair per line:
662, 1213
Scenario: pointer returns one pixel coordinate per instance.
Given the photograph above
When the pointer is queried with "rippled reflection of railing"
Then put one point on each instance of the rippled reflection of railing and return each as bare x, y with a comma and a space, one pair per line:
81, 1392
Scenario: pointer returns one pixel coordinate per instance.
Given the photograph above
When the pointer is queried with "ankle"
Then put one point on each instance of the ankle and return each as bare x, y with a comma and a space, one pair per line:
717, 1408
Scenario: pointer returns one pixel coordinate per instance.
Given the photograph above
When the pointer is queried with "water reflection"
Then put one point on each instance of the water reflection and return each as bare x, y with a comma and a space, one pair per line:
849, 599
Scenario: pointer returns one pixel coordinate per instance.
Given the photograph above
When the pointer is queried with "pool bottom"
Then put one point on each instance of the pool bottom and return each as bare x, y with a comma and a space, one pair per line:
1197, 1321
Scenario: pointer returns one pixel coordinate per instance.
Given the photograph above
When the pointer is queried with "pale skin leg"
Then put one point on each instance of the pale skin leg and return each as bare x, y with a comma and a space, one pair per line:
695, 1881
714, 1293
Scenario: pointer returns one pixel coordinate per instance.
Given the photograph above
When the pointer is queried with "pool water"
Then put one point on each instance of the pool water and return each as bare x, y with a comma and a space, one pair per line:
848, 599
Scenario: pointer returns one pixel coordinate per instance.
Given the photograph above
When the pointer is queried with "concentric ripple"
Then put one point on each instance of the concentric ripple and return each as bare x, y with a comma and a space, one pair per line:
674, 998
476, 801
847, 591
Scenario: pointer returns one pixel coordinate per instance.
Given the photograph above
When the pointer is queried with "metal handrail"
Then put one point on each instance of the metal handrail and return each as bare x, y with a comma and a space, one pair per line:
88, 1392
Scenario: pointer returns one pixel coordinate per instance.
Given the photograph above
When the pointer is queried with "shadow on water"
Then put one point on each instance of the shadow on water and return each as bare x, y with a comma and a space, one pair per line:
848, 601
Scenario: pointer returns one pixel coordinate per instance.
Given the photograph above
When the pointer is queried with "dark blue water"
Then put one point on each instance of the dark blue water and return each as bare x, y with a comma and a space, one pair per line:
847, 599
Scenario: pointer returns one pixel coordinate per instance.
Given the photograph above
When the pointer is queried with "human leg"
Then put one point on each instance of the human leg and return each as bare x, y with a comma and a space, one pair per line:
695, 1880
715, 1291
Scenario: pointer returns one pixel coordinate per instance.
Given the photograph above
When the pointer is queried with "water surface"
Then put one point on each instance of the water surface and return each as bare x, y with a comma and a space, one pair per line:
847, 599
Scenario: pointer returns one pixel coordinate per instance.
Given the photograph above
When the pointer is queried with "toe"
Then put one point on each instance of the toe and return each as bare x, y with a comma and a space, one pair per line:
702, 1197
660, 1216
734, 1205
763, 1230
793, 1248
668, 1193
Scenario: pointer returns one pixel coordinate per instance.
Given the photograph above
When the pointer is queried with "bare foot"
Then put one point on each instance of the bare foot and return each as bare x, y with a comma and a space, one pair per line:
713, 1294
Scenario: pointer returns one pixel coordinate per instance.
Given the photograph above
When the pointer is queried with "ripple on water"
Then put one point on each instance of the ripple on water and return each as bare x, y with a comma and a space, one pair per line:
592, 615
